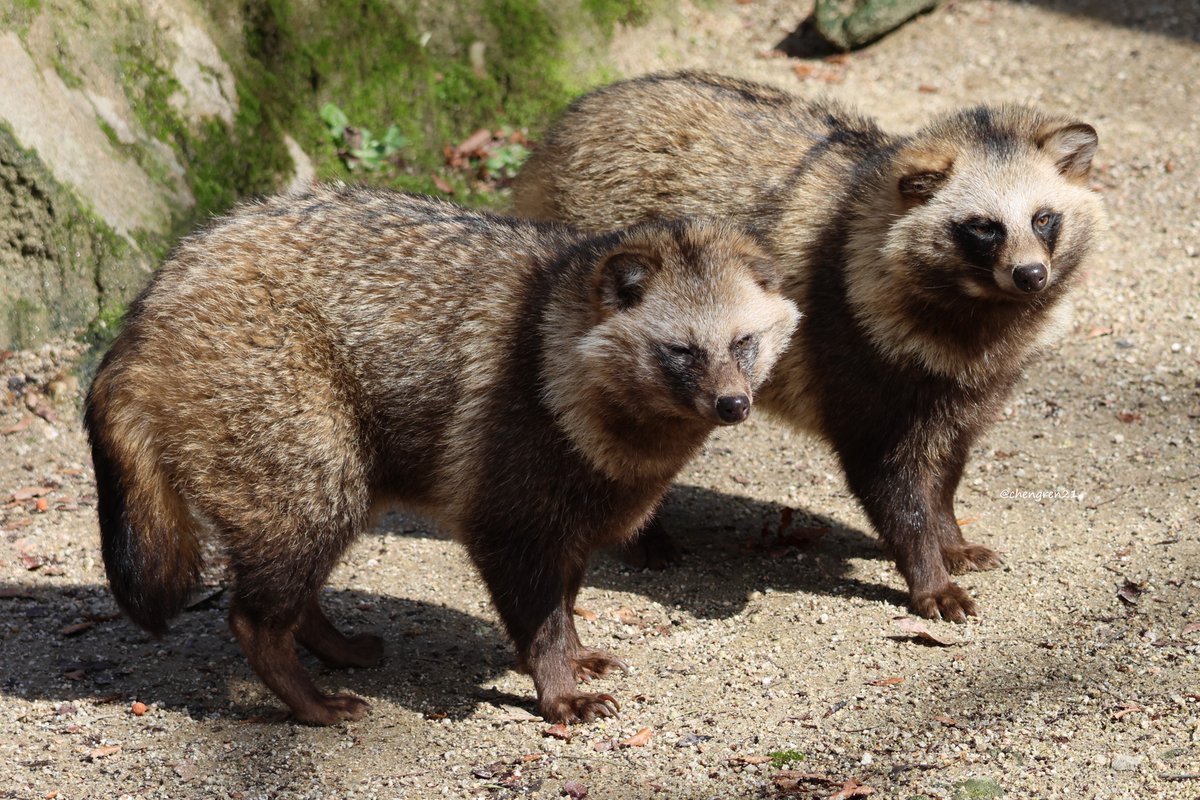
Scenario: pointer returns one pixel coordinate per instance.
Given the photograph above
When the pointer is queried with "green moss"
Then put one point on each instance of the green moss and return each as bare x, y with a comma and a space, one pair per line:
609, 12
977, 789
783, 759
60, 262
19, 15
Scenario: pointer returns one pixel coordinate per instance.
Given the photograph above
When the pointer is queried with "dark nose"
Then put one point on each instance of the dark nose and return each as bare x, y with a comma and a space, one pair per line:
733, 408
1030, 278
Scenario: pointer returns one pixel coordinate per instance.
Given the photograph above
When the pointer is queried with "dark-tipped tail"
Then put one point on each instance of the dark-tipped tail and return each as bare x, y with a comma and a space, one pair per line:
147, 535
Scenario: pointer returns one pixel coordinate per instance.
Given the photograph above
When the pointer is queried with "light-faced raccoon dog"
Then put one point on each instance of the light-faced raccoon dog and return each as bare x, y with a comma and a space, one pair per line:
931, 267
310, 358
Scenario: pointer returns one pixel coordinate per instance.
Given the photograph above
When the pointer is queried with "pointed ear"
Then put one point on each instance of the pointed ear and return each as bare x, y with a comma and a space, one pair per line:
921, 175
1072, 147
621, 278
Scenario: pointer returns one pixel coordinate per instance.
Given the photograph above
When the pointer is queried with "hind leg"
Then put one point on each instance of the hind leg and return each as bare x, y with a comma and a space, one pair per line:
271, 651
277, 579
652, 547
319, 635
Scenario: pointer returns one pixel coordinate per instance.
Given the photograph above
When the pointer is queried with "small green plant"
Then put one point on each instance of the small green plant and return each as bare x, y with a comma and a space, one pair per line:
782, 759
357, 148
504, 161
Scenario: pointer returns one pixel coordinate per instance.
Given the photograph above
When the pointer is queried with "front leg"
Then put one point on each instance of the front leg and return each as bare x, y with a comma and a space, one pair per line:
958, 554
900, 488
587, 663
530, 586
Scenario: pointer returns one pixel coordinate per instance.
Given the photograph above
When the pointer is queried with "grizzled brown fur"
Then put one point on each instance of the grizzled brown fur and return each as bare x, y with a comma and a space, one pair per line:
312, 358
931, 267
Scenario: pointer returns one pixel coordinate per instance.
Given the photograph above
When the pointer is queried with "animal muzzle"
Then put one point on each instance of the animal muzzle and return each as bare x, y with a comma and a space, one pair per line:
1030, 278
732, 408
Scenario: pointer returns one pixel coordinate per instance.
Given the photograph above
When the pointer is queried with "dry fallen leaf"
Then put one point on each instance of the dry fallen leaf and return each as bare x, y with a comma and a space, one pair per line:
475, 141
590, 616
627, 616
851, 788
30, 492
1126, 709
1131, 592
919, 630
949, 722
639, 739
558, 731
928, 88
105, 751
789, 780
886, 681
1094, 332
1129, 416
76, 628
1191, 627
20, 426
967, 520
442, 184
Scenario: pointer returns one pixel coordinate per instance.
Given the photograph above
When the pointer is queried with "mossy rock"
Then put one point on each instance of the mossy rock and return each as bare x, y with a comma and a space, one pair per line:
847, 24
61, 265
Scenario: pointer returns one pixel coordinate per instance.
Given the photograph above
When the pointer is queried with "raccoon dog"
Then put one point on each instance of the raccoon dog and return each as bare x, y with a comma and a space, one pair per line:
931, 267
313, 357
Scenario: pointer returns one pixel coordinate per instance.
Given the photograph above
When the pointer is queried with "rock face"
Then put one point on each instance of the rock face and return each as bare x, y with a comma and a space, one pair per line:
58, 263
126, 123
89, 197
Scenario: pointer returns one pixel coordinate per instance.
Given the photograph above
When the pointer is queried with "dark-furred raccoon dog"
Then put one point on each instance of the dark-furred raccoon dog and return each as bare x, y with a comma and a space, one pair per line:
931, 268
310, 358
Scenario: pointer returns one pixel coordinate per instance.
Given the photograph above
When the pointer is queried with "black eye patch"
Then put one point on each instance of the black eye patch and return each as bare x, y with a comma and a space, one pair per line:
745, 351
683, 366
979, 239
1046, 225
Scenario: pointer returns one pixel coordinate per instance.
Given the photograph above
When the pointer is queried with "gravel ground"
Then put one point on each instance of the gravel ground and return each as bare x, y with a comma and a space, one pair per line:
1079, 679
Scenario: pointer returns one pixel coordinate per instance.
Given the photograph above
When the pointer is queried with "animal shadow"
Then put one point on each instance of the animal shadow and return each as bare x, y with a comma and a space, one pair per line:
734, 545
68, 643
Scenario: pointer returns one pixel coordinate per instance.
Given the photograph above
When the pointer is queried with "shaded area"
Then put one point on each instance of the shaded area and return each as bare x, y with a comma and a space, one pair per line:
730, 548
434, 656
1178, 19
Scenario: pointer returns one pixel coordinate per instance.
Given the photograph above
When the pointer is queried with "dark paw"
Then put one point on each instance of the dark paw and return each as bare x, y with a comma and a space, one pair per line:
652, 548
950, 602
969, 558
579, 707
589, 664
332, 709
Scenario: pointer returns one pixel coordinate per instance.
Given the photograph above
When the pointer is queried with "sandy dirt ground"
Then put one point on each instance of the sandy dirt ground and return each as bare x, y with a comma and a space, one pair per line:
762, 666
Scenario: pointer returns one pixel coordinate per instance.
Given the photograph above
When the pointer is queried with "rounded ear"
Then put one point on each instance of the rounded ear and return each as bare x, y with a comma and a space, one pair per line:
917, 187
621, 278
921, 174
1072, 147
766, 273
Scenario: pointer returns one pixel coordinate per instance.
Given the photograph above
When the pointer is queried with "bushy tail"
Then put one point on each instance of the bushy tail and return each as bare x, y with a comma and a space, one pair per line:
148, 538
